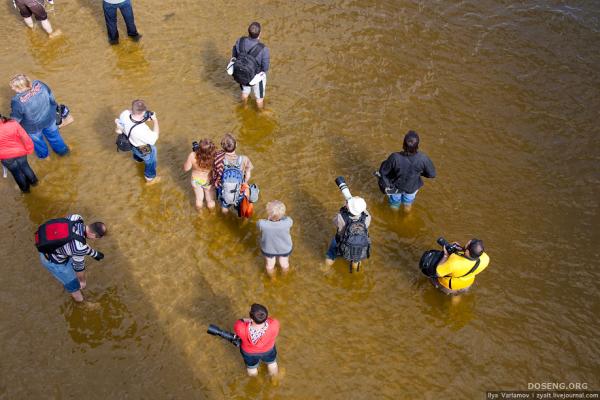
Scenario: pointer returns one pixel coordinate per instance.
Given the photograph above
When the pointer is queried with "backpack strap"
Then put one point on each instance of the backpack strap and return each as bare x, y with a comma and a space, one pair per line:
252, 50
256, 49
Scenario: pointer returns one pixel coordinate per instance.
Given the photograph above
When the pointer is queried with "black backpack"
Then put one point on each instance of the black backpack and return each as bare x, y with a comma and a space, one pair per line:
55, 233
246, 65
355, 244
429, 262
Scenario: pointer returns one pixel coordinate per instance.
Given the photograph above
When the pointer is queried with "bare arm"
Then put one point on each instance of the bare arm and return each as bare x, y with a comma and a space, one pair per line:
247, 170
189, 162
155, 128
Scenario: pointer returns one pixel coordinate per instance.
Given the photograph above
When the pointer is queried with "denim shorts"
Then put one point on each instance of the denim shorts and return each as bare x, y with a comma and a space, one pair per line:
253, 359
402, 198
276, 255
63, 273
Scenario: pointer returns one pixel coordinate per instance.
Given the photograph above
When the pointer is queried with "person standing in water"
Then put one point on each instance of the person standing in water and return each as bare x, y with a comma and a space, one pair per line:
29, 8
200, 161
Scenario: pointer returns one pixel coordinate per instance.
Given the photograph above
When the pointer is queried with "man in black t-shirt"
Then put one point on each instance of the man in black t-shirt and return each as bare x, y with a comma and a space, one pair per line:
400, 175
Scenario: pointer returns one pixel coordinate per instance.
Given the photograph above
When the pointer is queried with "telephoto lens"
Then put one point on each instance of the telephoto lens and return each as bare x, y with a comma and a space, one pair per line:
195, 146
229, 336
341, 183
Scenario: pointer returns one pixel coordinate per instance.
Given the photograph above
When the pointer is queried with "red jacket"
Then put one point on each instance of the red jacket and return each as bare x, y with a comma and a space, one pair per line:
264, 344
14, 141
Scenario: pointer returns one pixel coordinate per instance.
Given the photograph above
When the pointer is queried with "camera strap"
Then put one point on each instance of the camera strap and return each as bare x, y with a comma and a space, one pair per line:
472, 269
135, 123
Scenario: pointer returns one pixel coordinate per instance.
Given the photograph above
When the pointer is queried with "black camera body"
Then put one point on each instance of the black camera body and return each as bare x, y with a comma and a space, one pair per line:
450, 247
229, 336
195, 146
148, 114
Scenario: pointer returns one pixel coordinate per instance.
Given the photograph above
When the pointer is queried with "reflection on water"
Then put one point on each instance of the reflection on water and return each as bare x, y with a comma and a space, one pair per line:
100, 320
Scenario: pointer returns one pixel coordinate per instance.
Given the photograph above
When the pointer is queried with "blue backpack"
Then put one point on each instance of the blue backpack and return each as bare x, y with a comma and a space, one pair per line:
231, 181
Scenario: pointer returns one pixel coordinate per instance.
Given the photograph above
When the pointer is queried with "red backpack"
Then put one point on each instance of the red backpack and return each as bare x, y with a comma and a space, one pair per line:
55, 233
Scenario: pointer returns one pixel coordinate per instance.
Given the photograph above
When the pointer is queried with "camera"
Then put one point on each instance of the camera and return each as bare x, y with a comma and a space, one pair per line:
450, 247
195, 146
341, 183
148, 114
229, 336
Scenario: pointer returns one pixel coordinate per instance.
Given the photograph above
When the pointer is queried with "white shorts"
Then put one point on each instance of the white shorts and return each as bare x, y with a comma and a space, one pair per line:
258, 89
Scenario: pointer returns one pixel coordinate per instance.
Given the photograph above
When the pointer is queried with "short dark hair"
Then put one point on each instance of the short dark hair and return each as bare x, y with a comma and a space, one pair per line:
258, 313
98, 229
254, 30
138, 106
475, 248
411, 142
228, 143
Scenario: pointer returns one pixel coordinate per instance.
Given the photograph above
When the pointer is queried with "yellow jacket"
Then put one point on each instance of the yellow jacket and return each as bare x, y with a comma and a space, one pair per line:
452, 272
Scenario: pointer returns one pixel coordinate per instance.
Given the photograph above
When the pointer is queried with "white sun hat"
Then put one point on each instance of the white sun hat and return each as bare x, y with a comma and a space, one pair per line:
356, 205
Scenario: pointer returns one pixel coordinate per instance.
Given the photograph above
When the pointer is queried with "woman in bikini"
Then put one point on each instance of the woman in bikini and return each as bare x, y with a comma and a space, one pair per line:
200, 162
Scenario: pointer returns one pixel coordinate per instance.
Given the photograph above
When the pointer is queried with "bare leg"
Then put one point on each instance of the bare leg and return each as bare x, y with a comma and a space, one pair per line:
273, 368
245, 99
224, 210
270, 265
329, 262
209, 194
199, 192
28, 21
355, 266
77, 296
252, 371
81, 279
284, 262
407, 207
260, 103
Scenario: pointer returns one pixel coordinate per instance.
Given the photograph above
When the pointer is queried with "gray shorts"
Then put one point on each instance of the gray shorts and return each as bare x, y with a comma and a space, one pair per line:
258, 89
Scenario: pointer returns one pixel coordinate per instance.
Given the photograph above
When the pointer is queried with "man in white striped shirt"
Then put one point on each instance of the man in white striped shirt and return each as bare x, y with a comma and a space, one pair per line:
67, 263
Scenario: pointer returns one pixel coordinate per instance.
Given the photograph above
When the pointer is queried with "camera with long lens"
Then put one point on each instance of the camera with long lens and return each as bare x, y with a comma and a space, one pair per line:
341, 183
148, 114
229, 336
450, 247
195, 146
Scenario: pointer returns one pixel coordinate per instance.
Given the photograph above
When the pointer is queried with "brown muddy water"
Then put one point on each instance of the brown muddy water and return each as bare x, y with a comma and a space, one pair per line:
505, 95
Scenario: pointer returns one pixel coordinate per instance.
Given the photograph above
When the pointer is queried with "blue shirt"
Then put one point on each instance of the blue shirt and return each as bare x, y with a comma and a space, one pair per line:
34, 109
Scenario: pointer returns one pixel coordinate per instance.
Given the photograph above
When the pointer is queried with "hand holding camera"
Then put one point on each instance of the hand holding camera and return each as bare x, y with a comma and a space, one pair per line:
449, 248
150, 115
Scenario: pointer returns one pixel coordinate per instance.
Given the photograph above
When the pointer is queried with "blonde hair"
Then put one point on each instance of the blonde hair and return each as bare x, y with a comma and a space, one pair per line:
20, 82
275, 210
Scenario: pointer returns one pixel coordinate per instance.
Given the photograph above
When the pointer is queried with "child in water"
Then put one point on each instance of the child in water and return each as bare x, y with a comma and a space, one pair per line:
200, 161
276, 241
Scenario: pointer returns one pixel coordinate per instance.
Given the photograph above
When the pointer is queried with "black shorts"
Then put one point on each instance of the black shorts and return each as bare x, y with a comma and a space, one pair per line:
27, 8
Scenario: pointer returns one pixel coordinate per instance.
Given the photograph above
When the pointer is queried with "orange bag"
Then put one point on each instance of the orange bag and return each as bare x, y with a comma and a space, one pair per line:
246, 209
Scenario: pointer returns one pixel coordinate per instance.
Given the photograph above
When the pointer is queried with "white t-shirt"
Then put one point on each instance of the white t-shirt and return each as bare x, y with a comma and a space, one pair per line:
141, 134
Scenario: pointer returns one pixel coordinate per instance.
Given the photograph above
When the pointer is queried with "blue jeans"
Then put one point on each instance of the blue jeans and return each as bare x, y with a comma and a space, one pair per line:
332, 250
21, 171
402, 198
149, 162
52, 135
63, 273
110, 16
